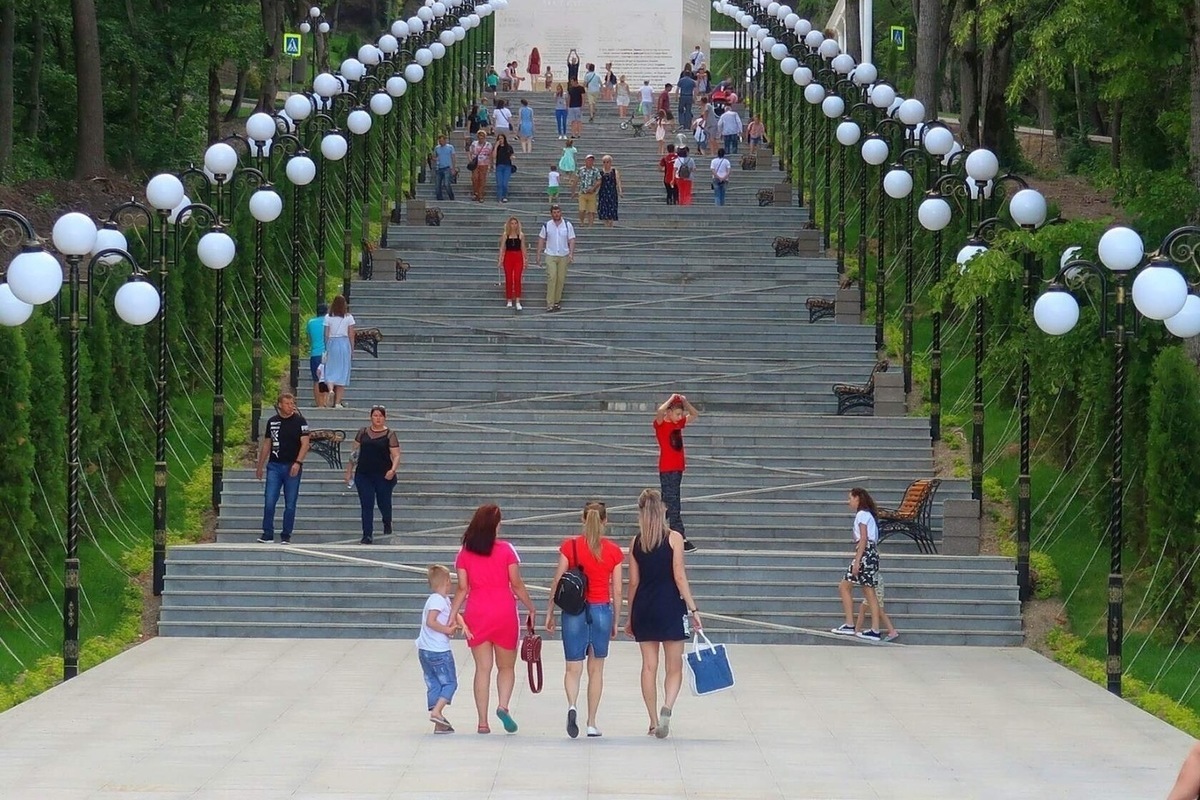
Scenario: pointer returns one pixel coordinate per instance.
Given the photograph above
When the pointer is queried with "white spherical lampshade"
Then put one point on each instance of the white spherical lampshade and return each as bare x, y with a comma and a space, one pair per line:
75, 235
982, 165
266, 205
460, 33
260, 126
325, 85
388, 44
439, 9
221, 160
400, 29
813, 39
298, 106
833, 106
13, 312
396, 86
1056, 312
790, 21
897, 183
814, 93
933, 213
323, 27
1121, 249
35, 276
425, 14
333, 146
109, 239
865, 74
305, 27
358, 121
413, 73
1185, 324
368, 54
882, 95
163, 192
773, 9
1028, 208
1159, 291
829, 49
843, 64
802, 76
754, 30
779, 51
911, 111
178, 215
848, 133
446, 37
381, 104
438, 50
875, 150
314, 12
802, 28
789, 65
938, 140
137, 301
352, 69
424, 57
767, 44
301, 170
216, 249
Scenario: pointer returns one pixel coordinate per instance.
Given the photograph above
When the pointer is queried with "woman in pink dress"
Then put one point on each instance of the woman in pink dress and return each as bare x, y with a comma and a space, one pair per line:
489, 574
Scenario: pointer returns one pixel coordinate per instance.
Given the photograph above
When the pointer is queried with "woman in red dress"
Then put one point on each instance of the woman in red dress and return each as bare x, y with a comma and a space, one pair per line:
511, 260
534, 68
489, 574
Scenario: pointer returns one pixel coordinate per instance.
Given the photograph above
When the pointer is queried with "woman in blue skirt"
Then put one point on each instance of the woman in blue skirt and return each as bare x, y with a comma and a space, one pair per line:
661, 607
525, 127
339, 344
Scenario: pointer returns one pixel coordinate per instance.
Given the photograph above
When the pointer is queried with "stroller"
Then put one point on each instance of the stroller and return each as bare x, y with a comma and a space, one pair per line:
635, 124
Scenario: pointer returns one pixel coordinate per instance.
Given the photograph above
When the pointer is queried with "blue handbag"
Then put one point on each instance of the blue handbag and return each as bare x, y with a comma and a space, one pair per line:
708, 665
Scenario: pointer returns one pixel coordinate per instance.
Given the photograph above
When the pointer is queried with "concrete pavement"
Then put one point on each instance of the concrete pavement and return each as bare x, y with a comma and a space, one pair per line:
211, 719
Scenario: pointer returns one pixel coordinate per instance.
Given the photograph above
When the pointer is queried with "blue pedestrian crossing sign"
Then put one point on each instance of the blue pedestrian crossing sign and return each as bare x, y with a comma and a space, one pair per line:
898, 37
291, 45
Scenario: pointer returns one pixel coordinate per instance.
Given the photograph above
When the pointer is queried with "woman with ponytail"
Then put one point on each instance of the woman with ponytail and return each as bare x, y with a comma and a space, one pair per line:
586, 635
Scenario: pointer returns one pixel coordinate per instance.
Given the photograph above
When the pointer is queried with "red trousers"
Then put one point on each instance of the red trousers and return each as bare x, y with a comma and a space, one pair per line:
685, 191
514, 266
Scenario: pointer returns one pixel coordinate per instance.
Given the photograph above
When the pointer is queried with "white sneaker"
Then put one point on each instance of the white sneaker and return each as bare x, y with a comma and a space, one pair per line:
844, 630
508, 304
519, 307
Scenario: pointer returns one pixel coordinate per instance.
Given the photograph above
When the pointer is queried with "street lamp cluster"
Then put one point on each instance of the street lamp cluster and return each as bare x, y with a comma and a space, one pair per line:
363, 89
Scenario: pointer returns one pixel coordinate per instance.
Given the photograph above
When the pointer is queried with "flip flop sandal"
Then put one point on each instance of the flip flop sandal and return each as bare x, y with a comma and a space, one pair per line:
510, 724
483, 729
440, 728
440, 720
664, 723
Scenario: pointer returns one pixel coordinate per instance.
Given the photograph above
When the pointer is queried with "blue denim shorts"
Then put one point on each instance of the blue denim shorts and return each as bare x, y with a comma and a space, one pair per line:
441, 681
578, 635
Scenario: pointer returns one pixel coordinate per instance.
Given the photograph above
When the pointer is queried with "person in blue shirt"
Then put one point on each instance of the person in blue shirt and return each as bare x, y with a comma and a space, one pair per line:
687, 90
445, 167
316, 353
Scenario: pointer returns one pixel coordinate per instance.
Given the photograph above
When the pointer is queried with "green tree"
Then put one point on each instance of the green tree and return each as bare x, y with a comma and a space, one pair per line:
16, 466
48, 427
1173, 485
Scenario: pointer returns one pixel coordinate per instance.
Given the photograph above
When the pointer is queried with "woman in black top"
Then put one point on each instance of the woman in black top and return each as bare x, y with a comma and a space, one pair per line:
502, 157
511, 261
374, 459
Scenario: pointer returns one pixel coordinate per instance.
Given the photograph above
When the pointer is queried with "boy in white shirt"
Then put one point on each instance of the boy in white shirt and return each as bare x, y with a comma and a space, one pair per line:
433, 648
552, 184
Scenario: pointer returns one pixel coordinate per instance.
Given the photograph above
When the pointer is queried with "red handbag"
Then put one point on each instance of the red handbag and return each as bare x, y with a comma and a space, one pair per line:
531, 654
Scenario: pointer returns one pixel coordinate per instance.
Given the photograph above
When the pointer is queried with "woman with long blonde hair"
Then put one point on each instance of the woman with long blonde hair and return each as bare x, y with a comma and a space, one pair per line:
661, 607
511, 261
586, 635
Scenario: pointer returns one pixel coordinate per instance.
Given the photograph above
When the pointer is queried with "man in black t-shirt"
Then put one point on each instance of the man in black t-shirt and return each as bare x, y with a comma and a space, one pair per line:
575, 93
284, 446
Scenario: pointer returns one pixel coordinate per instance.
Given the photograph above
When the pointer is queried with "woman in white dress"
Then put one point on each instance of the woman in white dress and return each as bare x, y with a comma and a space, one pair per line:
339, 346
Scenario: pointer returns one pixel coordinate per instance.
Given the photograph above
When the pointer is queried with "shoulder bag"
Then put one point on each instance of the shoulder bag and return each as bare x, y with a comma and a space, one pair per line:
531, 654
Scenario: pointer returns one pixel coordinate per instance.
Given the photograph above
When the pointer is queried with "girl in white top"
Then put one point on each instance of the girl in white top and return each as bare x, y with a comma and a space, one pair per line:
339, 348
622, 98
502, 117
864, 566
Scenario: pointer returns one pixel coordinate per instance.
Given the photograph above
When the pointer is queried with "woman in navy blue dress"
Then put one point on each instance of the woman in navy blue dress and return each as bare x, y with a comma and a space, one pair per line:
661, 607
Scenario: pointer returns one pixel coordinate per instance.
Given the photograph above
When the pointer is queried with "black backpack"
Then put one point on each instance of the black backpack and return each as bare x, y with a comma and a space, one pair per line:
571, 593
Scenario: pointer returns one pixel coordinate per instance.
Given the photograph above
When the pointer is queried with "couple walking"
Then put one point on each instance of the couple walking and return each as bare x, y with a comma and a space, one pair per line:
659, 599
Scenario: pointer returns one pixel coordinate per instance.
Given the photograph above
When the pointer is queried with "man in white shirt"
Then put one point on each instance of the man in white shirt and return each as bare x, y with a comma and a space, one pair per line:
591, 82
720, 168
730, 127
647, 95
697, 58
557, 241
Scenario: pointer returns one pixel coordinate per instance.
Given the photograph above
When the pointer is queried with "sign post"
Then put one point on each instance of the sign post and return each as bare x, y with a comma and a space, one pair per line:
291, 45
898, 37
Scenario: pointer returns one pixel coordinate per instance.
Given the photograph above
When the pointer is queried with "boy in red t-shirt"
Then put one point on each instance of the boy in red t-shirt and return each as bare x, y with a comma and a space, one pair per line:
666, 165
669, 422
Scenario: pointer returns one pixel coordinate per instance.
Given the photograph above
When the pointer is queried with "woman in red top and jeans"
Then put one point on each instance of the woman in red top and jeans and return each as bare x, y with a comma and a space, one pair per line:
587, 635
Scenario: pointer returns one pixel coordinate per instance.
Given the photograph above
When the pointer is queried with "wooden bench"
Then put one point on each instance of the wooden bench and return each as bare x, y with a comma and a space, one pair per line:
367, 340
327, 444
851, 395
819, 308
911, 519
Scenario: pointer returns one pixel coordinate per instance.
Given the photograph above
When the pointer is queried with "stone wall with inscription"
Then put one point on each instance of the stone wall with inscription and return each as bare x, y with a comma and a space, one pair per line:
644, 39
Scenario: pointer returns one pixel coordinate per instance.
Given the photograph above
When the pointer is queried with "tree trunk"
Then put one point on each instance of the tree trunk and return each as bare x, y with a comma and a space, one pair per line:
214, 104
1080, 116
33, 122
1193, 19
8, 45
272, 18
1045, 109
997, 132
929, 55
1115, 132
968, 85
854, 29
239, 93
89, 91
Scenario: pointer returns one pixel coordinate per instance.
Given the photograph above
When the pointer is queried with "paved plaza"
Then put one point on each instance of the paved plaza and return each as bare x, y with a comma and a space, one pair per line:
272, 719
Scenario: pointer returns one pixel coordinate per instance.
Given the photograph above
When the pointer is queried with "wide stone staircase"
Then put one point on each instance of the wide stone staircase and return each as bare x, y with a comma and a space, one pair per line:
540, 412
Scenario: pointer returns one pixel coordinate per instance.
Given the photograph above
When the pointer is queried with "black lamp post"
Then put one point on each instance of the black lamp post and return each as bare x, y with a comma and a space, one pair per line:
315, 24
1159, 292
35, 277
